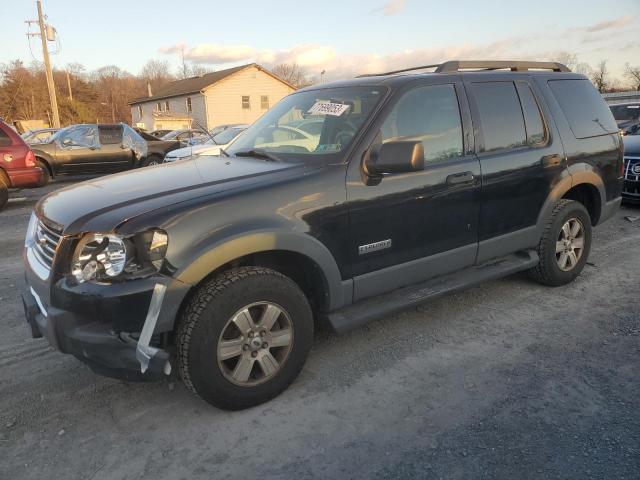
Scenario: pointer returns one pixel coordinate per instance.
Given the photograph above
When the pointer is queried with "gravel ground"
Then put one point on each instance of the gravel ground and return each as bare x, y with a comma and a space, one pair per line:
505, 380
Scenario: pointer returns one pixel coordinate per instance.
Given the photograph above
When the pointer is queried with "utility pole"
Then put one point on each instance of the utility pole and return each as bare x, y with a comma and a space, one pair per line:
69, 87
47, 66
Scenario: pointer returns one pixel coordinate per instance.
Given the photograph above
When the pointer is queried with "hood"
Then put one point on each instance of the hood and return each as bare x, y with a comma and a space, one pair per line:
207, 149
104, 203
631, 145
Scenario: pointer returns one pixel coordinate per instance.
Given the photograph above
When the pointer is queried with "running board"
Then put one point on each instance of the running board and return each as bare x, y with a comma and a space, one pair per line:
369, 309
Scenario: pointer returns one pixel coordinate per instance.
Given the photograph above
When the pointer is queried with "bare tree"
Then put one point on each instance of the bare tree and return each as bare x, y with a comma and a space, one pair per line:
633, 74
600, 76
292, 73
156, 70
197, 70
567, 58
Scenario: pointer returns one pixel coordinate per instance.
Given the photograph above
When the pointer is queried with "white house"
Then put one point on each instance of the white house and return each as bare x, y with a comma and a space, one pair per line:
236, 95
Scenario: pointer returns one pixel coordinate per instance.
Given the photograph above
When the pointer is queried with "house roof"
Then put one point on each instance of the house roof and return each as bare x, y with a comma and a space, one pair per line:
197, 84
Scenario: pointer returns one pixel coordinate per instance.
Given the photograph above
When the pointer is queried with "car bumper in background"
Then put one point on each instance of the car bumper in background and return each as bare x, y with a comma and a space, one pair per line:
25, 177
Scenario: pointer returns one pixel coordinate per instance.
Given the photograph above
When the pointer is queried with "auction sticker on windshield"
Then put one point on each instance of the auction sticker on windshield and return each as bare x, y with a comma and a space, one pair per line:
327, 108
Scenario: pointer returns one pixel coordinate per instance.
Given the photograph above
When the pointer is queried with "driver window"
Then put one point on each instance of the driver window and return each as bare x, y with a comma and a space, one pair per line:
430, 115
83, 136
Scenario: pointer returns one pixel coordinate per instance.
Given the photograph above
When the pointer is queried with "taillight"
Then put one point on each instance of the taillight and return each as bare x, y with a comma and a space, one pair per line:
30, 159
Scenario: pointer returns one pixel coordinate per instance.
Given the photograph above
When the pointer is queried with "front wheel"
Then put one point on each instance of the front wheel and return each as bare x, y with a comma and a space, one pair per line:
565, 244
244, 337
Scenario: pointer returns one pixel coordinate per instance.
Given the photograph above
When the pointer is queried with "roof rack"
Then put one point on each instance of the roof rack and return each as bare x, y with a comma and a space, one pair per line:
461, 65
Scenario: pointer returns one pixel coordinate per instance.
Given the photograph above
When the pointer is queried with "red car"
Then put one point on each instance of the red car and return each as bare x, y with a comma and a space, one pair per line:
17, 164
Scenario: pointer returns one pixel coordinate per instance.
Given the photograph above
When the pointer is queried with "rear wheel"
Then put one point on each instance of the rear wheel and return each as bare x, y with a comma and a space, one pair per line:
244, 337
46, 175
4, 192
565, 244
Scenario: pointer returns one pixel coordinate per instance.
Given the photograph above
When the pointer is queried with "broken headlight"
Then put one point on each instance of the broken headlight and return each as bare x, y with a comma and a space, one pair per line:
104, 257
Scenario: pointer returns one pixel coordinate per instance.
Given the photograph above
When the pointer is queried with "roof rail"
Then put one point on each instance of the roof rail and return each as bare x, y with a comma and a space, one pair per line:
460, 65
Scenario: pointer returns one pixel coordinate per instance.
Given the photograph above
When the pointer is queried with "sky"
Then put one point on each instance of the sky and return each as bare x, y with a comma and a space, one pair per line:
342, 37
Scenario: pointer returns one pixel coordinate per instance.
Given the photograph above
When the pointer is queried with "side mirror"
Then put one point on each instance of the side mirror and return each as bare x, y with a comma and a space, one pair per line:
67, 142
395, 157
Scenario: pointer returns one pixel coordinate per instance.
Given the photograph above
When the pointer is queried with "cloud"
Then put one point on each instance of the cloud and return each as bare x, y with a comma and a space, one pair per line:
314, 58
391, 7
212, 52
609, 24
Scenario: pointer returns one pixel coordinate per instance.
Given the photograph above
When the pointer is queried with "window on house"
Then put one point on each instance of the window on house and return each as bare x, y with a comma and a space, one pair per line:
166, 106
159, 106
264, 102
189, 107
246, 104
139, 111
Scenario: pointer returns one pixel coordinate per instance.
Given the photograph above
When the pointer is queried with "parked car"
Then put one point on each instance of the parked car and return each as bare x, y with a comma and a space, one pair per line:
187, 137
17, 163
210, 147
221, 128
98, 148
417, 185
631, 189
159, 133
42, 135
627, 117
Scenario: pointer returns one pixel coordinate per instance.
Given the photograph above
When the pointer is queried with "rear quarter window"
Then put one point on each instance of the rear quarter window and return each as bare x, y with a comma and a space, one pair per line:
5, 140
584, 108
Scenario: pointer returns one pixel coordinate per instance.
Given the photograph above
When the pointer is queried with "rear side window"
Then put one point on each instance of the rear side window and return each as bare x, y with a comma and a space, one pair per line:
5, 140
110, 135
536, 130
430, 115
584, 108
501, 117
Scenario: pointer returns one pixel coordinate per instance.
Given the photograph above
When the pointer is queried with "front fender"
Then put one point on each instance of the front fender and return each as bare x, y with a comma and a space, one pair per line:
218, 254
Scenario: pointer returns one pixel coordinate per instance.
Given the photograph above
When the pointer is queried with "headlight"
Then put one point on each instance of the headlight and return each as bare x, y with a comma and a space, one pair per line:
103, 257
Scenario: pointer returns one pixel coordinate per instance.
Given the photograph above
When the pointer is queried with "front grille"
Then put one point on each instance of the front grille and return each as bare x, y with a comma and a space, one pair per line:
629, 164
46, 243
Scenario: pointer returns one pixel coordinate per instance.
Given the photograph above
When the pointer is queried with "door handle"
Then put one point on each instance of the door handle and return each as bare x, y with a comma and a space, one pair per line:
458, 178
551, 160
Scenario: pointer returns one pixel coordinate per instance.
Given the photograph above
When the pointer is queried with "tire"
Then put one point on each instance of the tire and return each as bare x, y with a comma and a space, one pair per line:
212, 317
152, 160
46, 175
549, 270
4, 193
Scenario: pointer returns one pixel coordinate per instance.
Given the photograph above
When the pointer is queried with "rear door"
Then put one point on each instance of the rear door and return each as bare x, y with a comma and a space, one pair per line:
114, 155
521, 158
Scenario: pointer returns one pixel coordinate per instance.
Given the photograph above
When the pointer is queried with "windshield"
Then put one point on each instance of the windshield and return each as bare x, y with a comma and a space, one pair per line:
171, 135
337, 115
626, 112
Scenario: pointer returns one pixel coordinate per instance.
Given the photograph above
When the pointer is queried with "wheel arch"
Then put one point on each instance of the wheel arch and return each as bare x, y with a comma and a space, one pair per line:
298, 256
581, 184
46, 161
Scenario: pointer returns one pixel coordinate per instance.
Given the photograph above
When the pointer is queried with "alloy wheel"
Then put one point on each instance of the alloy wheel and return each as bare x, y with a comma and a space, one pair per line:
570, 244
255, 343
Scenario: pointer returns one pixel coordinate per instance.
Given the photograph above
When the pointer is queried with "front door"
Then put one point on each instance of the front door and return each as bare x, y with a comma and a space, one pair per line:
114, 156
413, 226
78, 149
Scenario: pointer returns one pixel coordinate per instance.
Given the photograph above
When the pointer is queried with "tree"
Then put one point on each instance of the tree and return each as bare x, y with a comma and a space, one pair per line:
292, 73
600, 76
633, 74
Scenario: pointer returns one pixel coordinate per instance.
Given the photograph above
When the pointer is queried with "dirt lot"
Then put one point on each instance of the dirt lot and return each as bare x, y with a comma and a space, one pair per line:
506, 380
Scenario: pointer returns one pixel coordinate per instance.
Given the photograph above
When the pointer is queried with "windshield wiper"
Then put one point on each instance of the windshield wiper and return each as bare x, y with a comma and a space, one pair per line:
223, 152
258, 153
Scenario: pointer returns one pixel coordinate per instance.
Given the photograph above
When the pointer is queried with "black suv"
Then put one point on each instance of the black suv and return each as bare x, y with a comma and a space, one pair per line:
97, 148
416, 185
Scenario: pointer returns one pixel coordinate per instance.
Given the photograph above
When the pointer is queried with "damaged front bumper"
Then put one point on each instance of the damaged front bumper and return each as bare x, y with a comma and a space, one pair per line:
115, 329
